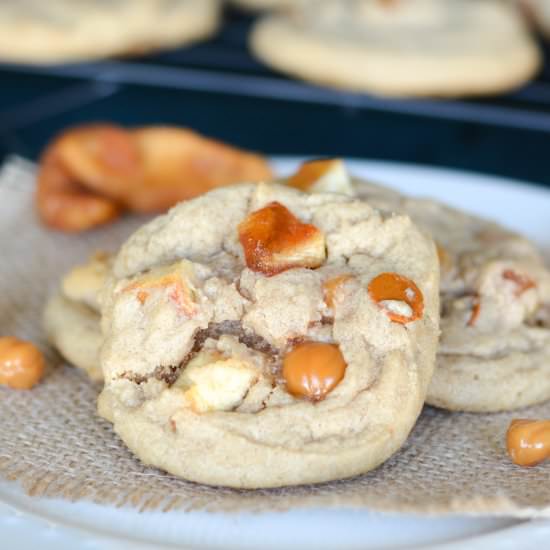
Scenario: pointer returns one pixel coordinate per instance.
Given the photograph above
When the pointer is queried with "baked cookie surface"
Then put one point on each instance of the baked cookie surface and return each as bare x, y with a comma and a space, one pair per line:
494, 350
70, 30
258, 336
401, 47
74, 330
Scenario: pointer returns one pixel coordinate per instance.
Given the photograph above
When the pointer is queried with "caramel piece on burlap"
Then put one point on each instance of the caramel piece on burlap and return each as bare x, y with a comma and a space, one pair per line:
54, 444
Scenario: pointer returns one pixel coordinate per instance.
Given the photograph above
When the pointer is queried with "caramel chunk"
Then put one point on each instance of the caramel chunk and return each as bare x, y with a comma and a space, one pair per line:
21, 363
313, 369
528, 441
274, 240
398, 296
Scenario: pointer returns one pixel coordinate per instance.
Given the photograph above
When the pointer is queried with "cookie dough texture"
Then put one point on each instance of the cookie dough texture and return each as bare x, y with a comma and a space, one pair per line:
194, 340
72, 315
33, 31
499, 358
403, 47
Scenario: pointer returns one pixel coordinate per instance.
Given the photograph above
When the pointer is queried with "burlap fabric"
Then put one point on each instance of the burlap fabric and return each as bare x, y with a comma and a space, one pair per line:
52, 441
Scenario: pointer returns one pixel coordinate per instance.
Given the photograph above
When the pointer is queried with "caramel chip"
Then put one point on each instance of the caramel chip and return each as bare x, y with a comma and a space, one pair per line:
390, 289
313, 369
528, 441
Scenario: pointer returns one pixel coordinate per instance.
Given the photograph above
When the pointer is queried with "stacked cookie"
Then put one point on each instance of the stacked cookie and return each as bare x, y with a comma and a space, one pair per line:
285, 333
72, 316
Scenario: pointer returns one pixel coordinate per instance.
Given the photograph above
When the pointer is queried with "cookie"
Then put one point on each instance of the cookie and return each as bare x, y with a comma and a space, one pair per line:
74, 330
401, 47
72, 315
494, 350
539, 10
84, 282
258, 336
65, 30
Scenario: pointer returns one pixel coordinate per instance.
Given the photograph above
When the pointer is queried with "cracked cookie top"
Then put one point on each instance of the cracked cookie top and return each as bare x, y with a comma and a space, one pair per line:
261, 298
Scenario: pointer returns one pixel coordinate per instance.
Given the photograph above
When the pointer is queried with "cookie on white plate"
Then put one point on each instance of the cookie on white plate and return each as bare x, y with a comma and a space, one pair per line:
401, 47
72, 315
32, 31
258, 336
494, 350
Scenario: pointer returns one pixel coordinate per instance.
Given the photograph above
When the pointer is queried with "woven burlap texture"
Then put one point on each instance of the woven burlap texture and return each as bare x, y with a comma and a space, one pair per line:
54, 444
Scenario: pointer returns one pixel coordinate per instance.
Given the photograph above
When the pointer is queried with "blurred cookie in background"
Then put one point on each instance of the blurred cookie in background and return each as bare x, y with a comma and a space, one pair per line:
402, 48
58, 31
539, 11
256, 5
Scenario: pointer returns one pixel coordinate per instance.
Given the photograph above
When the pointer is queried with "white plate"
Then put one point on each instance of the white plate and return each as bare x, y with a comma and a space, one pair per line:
28, 523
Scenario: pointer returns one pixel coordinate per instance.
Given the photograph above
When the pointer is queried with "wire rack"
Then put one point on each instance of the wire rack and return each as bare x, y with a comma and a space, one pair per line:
223, 65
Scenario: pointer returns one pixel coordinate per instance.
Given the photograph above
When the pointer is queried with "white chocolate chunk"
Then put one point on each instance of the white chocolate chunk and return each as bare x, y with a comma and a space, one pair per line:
213, 382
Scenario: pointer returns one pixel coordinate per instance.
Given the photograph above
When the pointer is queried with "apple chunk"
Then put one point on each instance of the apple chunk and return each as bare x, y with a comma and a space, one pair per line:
274, 240
322, 176
176, 280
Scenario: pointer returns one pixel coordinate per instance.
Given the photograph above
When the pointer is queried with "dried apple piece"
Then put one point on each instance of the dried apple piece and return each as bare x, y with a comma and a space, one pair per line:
175, 279
476, 309
274, 240
522, 282
398, 296
331, 287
